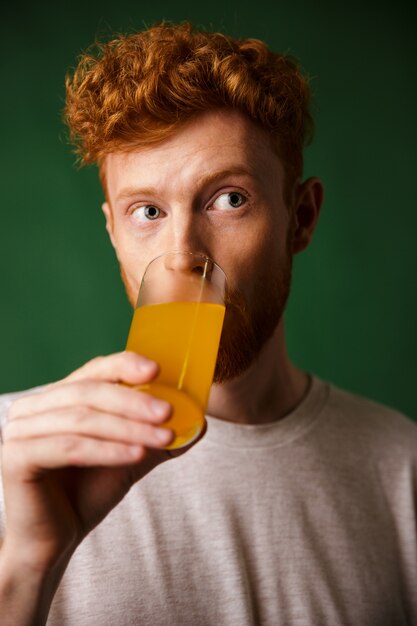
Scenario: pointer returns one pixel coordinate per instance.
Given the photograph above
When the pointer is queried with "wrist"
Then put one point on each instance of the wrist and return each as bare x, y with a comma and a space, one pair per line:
27, 588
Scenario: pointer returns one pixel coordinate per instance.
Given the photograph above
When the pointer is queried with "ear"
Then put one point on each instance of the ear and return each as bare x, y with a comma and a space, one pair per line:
109, 221
309, 198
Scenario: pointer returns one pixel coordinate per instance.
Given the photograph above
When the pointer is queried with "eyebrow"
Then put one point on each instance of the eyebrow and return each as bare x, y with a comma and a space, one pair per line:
204, 181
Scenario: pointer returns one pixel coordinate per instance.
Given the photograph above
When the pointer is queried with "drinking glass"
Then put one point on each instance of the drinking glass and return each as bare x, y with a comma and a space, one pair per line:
178, 322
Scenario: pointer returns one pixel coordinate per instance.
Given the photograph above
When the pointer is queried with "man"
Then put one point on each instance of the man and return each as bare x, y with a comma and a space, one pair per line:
297, 506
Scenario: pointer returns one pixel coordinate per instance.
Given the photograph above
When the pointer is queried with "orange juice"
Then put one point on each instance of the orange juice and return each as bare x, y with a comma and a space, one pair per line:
183, 338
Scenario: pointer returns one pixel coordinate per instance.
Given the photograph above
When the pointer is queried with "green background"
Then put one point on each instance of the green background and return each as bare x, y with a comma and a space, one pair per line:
352, 311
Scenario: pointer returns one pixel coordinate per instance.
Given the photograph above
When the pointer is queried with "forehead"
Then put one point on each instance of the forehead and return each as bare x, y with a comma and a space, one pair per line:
212, 141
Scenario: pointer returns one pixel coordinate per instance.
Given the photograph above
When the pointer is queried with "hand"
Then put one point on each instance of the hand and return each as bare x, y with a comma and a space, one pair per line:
72, 451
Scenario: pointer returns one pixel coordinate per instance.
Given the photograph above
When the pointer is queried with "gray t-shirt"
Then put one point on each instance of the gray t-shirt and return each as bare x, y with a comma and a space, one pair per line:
310, 520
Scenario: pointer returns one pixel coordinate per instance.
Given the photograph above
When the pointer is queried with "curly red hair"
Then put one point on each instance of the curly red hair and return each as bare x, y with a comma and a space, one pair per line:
137, 89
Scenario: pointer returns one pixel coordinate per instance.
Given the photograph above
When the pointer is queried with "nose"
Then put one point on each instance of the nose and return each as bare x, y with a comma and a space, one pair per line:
189, 263
190, 276
186, 231
183, 277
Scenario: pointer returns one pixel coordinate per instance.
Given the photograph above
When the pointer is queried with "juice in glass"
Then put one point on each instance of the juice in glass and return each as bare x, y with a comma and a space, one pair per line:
183, 338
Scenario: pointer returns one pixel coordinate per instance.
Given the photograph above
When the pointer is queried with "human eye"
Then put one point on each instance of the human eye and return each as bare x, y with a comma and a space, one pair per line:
230, 200
146, 212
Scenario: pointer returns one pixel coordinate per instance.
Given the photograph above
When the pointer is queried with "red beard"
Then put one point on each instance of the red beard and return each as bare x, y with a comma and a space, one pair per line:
247, 328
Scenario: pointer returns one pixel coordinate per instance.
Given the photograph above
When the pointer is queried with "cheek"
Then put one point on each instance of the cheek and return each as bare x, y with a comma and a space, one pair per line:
131, 261
132, 250
255, 256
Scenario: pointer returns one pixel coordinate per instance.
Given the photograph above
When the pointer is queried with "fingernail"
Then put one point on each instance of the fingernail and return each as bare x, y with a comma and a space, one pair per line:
159, 408
146, 364
163, 435
134, 451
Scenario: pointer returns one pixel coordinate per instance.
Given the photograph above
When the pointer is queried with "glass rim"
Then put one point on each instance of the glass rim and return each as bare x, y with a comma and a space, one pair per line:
186, 252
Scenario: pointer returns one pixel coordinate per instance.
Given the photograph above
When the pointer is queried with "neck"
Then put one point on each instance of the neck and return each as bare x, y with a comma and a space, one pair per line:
270, 389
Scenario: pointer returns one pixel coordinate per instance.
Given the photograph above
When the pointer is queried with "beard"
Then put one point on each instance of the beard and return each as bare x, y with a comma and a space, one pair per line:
247, 327
247, 324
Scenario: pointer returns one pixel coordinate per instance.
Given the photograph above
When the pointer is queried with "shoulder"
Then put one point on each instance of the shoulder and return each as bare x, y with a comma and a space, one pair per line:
371, 422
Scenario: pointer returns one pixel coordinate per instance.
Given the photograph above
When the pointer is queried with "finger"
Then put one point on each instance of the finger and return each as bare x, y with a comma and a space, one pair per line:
100, 396
28, 459
127, 367
88, 423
